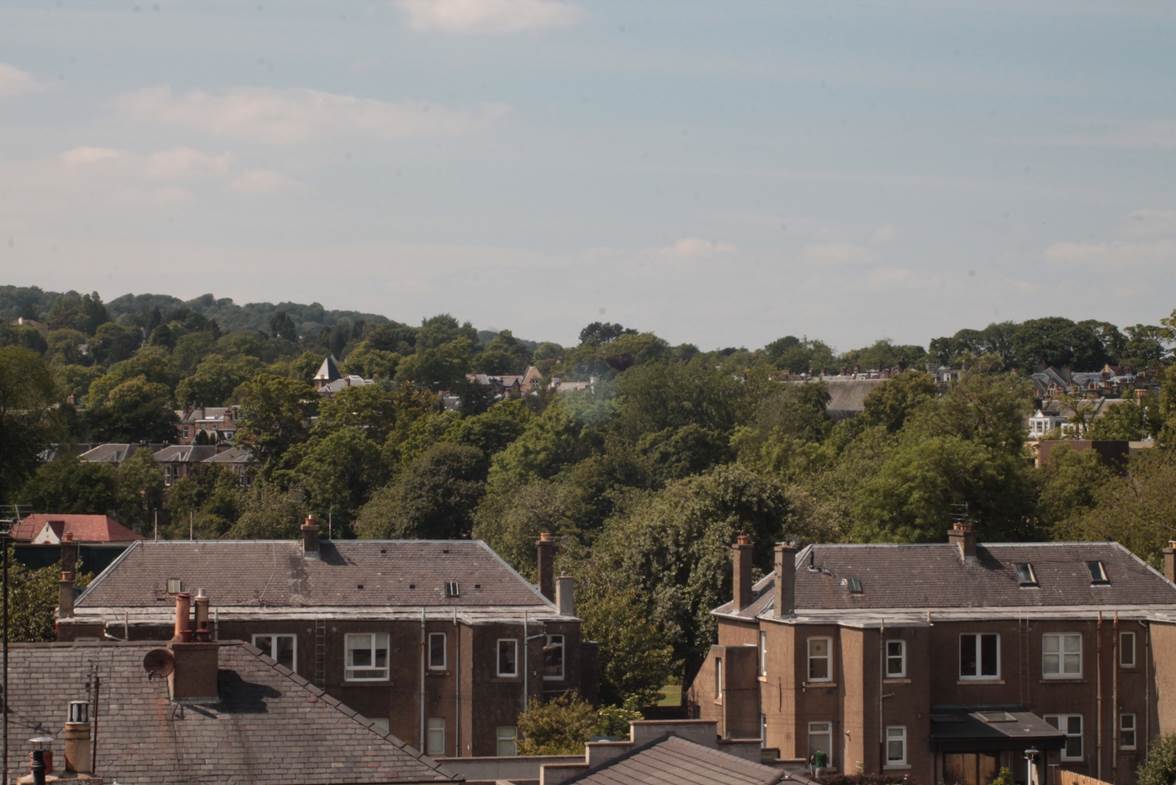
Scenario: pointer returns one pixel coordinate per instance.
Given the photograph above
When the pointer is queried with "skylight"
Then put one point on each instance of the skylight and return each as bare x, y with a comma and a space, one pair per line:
854, 585
1098, 573
1025, 574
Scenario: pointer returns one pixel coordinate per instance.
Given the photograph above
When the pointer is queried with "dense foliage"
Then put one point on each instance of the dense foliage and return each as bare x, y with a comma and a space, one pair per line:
645, 478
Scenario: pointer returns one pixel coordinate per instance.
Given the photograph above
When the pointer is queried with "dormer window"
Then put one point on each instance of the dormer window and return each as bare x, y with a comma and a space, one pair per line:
1098, 573
452, 589
1026, 577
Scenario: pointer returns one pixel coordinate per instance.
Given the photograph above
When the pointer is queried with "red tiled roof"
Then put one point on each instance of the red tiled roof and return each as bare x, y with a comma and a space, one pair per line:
84, 528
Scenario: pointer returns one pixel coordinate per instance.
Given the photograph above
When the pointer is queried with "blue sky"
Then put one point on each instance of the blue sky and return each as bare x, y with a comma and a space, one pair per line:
719, 173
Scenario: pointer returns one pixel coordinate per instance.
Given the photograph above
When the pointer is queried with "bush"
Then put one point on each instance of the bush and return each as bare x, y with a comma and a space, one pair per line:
1160, 766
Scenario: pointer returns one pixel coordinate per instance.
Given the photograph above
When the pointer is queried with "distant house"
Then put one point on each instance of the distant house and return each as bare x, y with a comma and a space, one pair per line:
52, 528
510, 385
236, 460
217, 423
113, 452
329, 381
1069, 418
179, 460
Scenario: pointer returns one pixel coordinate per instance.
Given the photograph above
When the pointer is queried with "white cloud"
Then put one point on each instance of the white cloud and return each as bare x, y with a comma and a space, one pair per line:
185, 163
14, 81
694, 247
490, 17
297, 115
261, 181
836, 253
87, 156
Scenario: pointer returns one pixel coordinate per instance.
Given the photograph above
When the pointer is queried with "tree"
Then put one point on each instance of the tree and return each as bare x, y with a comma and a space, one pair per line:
270, 513
374, 409
656, 396
884, 354
799, 356
990, 409
674, 453
338, 471
139, 490
33, 596
563, 724
599, 333
439, 330
433, 498
67, 485
275, 414
135, 410
214, 380
672, 551
27, 422
635, 659
1130, 420
371, 363
504, 354
1160, 766
1069, 485
282, 326
438, 368
890, 403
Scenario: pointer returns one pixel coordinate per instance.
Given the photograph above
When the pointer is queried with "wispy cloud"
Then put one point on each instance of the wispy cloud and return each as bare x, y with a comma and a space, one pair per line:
14, 81
284, 116
489, 17
695, 247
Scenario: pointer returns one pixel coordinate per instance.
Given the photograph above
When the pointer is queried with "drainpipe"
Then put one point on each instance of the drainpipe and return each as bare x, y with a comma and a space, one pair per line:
1098, 686
881, 697
1115, 699
457, 686
422, 747
1146, 684
526, 660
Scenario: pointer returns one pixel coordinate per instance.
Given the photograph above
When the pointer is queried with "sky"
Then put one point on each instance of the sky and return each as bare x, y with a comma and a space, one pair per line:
720, 173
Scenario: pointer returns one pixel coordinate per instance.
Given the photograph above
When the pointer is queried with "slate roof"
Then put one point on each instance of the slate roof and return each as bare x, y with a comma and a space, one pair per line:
344, 382
111, 452
328, 371
84, 528
934, 576
203, 414
373, 574
271, 725
674, 759
231, 455
184, 453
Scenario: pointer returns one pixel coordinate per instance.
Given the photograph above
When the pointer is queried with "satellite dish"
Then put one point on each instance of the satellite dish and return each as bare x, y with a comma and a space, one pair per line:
159, 664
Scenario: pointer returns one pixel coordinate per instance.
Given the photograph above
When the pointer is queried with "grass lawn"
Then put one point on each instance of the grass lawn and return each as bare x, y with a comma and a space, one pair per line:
671, 695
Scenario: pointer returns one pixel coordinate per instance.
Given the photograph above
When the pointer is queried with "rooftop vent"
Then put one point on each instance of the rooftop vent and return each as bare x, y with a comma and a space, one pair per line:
1025, 574
452, 589
1098, 573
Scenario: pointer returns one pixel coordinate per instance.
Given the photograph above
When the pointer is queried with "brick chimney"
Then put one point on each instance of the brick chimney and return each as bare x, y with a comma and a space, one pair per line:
741, 572
76, 737
785, 566
545, 547
65, 585
1170, 561
194, 676
565, 595
310, 537
963, 535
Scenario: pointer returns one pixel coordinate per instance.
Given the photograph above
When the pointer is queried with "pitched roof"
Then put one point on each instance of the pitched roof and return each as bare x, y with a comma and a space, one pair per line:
271, 726
203, 414
184, 453
111, 452
671, 758
342, 383
849, 396
231, 455
377, 576
328, 371
84, 528
930, 577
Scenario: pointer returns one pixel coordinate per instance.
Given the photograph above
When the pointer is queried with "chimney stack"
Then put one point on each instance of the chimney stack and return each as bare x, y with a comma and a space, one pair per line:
77, 739
183, 627
194, 676
545, 546
963, 536
310, 537
785, 566
565, 595
741, 571
1170, 561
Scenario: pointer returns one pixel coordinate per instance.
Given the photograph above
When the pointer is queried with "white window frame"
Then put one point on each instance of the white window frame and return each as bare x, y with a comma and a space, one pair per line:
1124, 728
514, 642
763, 653
718, 679
273, 652
1127, 636
506, 734
374, 639
1061, 642
821, 729
563, 651
901, 656
896, 733
978, 638
444, 651
435, 736
811, 658
1062, 723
